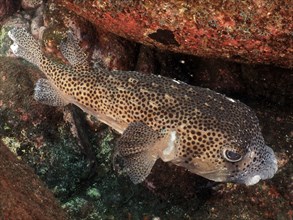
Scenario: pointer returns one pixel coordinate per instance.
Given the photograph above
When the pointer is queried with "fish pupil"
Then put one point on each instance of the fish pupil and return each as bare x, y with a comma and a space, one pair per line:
232, 156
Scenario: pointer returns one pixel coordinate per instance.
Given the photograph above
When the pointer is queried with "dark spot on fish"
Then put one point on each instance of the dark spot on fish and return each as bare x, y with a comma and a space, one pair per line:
165, 37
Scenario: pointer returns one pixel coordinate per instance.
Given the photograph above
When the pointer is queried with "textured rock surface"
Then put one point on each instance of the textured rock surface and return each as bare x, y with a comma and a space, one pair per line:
30, 4
246, 31
22, 194
8, 7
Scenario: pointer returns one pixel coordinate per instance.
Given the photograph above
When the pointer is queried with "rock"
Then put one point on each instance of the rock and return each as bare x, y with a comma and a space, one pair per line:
57, 22
27, 129
22, 194
268, 82
243, 32
37, 23
8, 7
145, 60
114, 52
30, 4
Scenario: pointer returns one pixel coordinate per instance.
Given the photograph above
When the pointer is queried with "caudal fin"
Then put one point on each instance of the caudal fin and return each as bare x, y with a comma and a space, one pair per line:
25, 45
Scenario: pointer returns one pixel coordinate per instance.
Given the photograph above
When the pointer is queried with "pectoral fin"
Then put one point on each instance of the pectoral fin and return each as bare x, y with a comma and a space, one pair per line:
138, 148
47, 94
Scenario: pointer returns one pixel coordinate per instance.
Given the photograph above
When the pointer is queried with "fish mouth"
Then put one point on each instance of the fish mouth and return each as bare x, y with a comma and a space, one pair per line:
261, 169
265, 169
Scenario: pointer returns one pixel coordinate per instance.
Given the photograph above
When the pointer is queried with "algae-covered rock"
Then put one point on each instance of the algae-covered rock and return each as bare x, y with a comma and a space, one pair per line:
8, 8
30, 4
22, 194
26, 128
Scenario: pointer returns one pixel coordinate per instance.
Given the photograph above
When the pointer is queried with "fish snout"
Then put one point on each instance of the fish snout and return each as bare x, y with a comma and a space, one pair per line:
262, 168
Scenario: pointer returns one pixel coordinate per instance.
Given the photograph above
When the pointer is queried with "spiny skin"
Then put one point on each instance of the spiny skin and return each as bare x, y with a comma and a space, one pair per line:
207, 124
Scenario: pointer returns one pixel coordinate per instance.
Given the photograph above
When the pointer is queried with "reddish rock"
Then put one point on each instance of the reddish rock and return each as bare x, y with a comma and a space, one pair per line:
106, 49
115, 52
245, 32
30, 4
8, 7
22, 194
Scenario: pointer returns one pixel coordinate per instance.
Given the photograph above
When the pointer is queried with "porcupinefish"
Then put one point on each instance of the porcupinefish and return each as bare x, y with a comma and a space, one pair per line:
208, 133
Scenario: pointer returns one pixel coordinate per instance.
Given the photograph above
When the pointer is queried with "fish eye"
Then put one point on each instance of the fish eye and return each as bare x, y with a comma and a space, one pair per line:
231, 156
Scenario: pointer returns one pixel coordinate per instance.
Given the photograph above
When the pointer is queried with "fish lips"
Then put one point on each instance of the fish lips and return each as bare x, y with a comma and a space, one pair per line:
259, 170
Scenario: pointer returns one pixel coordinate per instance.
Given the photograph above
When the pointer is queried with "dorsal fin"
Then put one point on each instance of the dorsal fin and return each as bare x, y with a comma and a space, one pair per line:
71, 50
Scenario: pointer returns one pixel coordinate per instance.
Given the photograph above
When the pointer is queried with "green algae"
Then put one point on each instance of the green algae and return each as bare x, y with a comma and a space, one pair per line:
93, 193
106, 147
5, 42
81, 207
12, 143
62, 166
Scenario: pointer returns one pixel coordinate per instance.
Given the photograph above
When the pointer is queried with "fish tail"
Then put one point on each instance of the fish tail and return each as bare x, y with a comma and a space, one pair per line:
25, 46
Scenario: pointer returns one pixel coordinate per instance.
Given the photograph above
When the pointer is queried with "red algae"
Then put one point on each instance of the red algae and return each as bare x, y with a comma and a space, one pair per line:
239, 31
